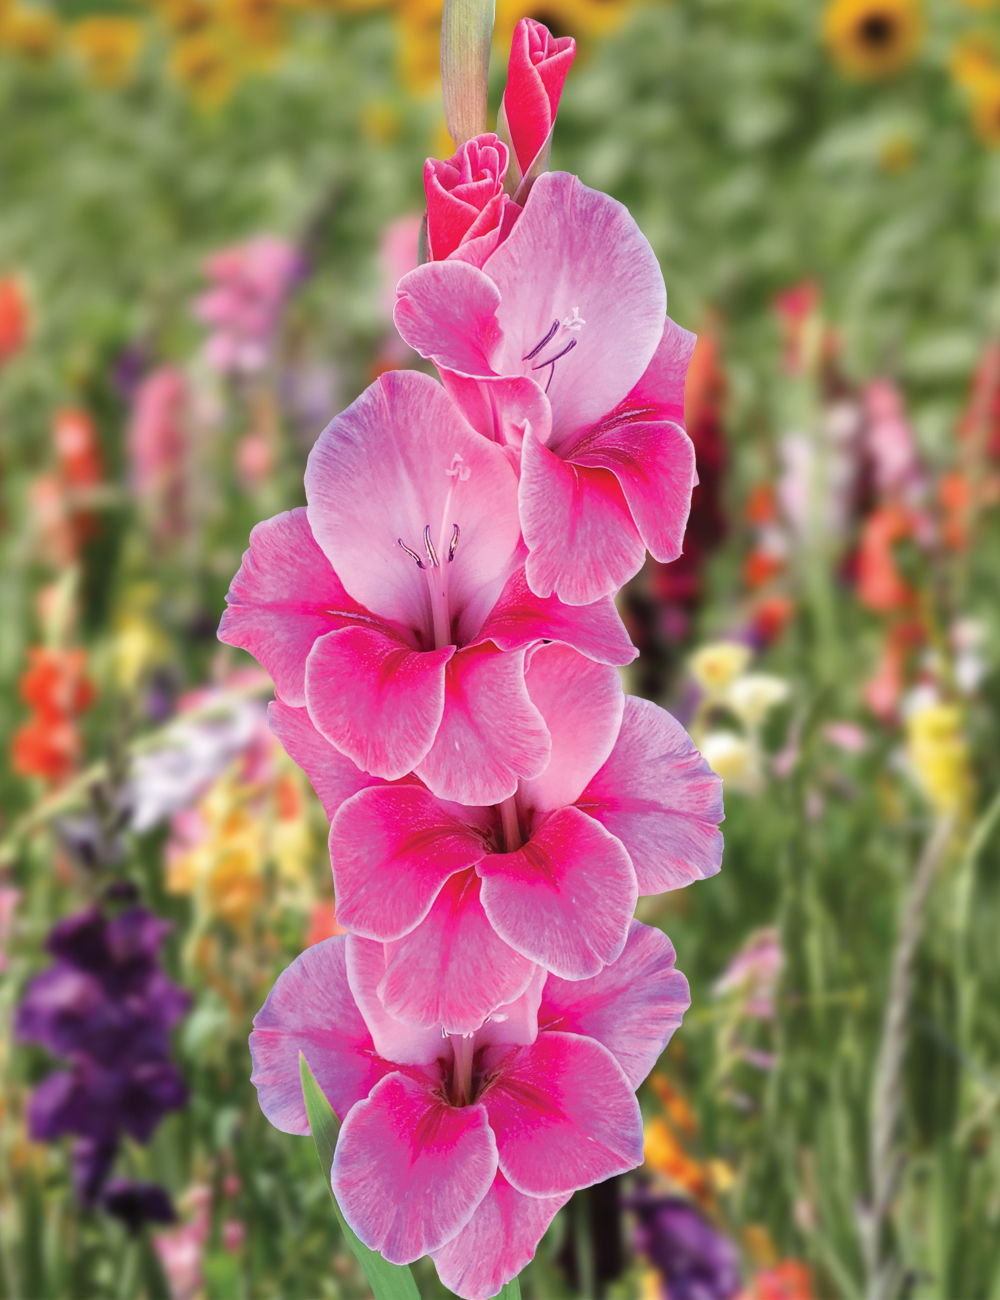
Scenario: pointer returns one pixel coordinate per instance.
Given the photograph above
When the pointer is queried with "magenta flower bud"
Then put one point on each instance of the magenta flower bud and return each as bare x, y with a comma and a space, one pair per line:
536, 74
467, 211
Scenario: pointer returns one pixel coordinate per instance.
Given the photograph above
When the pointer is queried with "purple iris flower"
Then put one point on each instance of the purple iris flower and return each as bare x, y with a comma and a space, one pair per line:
697, 1262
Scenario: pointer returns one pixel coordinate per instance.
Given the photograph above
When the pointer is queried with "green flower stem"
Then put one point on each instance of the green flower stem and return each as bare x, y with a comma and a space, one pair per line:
466, 36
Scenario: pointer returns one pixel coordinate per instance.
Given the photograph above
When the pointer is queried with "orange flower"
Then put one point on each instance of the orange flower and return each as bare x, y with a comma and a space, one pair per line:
75, 439
45, 747
55, 684
13, 318
761, 507
955, 493
880, 584
760, 567
664, 1153
770, 617
789, 1280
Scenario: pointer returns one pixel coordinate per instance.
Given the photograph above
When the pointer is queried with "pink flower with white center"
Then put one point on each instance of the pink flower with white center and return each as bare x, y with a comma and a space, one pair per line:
468, 213
559, 347
468, 900
250, 283
395, 607
465, 1146
537, 71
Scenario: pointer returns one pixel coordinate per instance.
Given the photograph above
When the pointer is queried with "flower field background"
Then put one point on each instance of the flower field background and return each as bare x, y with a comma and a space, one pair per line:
205, 206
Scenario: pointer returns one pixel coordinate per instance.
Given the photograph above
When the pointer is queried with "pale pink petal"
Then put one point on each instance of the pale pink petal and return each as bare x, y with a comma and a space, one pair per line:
334, 777
660, 798
582, 540
490, 734
453, 969
632, 1006
654, 463
575, 251
311, 1010
397, 461
581, 703
565, 899
284, 596
447, 311
376, 698
564, 1116
497, 1242
404, 1044
392, 849
519, 617
500, 407
410, 1170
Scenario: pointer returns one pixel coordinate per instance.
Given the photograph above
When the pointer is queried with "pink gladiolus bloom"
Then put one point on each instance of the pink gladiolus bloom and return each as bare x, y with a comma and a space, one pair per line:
156, 448
250, 283
467, 211
753, 974
559, 347
536, 74
467, 900
395, 606
465, 1146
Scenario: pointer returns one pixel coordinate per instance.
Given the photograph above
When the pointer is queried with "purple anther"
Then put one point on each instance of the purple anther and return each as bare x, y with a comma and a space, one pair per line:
453, 547
429, 548
538, 346
412, 554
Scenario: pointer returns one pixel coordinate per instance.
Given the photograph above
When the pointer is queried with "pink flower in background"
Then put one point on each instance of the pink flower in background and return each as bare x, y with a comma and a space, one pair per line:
468, 899
250, 283
182, 1250
395, 606
468, 213
9, 899
536, 74
890, 445
156, 445
753, 974
559, 347
397, 255
465, 1146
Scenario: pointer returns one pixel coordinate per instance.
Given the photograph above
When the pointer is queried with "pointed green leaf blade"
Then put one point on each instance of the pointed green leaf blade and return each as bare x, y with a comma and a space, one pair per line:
388, 1281
512, 1291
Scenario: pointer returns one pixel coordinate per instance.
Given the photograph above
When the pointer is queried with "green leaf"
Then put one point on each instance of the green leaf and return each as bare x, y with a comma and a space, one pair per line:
388, 1281
512, 1291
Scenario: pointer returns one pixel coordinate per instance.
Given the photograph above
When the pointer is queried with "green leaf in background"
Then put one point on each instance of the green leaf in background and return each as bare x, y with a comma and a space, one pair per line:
388, 1281
512, 1291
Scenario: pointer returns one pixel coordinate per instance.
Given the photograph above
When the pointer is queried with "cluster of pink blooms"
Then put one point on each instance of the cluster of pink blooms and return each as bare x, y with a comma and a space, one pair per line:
440, 627
250, 283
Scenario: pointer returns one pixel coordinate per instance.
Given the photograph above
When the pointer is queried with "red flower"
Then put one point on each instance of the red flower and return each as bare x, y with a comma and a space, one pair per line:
13, 318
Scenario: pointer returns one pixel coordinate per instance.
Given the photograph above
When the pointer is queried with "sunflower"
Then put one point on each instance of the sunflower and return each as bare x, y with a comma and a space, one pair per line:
35, 33
579, 18
986, 109
973, 60
872, 38
259, 24
108, 46
206, 68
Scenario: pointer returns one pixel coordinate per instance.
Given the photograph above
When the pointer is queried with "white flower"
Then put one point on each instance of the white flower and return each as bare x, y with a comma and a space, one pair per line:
734, 758
753, 696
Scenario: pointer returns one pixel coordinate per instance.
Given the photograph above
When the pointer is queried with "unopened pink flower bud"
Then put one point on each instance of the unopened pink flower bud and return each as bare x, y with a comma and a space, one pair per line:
466, 206
539, 63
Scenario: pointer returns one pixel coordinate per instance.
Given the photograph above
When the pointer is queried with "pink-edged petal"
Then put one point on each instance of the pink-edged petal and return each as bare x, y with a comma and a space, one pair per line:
410, 1170
447, 311
311, 1010
582, 541
398, 461
660, 392
501, 407
453, 969
577, 252
376, 698
632, 1006
394, 1040
565, 899
654, 464
490, 734
283, 598
660, 798
497, 1242
392, 849
332, 774
582, 704
564, 1116
520, 617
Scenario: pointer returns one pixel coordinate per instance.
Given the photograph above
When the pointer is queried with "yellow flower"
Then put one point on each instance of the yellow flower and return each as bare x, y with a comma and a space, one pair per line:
752, 696
419, 24
872, 38
32, 32
973, 60
206, 68
715, 666
188, 17
663, 1153
109, 46
380, 122
138, 646
986, 109
259, 24
939, 756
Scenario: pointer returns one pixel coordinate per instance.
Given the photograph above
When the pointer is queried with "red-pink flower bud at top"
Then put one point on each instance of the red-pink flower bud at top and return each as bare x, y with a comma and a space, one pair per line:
536, 74
467, 209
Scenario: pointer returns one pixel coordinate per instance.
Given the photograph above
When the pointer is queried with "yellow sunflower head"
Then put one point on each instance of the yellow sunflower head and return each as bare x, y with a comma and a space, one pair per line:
872, 38
29, 31
973, 60
986, 109
419, 25
259, 24
108, 46
206, 68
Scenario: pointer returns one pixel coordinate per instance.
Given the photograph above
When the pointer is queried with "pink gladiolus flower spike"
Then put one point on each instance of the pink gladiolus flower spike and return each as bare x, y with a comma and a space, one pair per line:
468, 212
465, 1146
536, 74
395, 606
468, 900
560, 348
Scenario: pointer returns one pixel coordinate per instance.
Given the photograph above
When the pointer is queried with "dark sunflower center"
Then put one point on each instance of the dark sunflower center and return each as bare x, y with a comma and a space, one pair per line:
877, 30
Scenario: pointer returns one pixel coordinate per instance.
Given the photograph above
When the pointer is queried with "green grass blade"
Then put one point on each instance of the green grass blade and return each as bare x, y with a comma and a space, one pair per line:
512, 1291
388, 1281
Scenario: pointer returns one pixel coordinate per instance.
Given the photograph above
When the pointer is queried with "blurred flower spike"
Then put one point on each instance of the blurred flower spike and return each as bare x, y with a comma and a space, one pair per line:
871, 39
13, 317
250, 283
938, 756
57, 689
